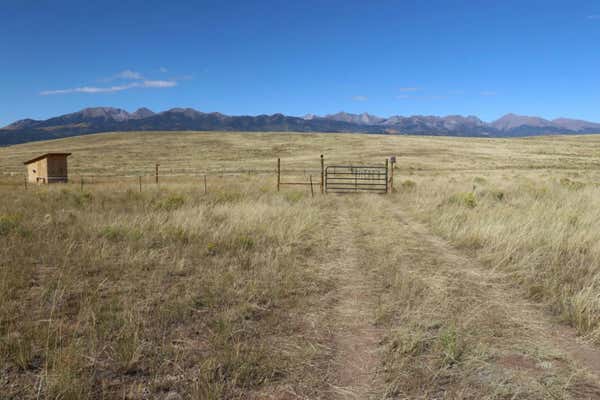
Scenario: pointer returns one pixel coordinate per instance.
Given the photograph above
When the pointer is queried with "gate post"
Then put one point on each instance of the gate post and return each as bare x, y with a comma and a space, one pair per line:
322, 174
393, 164
278, 173
386, 175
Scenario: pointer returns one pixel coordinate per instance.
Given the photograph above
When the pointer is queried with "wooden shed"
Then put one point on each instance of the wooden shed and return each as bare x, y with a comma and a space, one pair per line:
48, 168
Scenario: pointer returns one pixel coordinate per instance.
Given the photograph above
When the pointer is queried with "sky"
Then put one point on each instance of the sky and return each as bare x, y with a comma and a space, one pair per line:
480, 57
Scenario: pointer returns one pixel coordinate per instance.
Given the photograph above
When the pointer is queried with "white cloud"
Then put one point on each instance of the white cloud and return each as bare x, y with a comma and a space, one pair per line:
129, 74
158, 84
593, 16
89, 89
360, 98
163, 69
409, 89
112, 89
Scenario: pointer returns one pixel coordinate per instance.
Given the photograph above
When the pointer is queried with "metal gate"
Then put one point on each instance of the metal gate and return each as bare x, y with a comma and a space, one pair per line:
349, 179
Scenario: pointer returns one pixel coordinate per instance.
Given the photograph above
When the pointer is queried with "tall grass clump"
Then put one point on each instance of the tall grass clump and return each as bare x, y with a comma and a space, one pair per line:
544, 234
121, 294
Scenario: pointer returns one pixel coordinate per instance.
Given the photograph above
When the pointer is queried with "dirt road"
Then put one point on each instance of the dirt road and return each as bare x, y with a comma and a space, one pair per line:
413, 317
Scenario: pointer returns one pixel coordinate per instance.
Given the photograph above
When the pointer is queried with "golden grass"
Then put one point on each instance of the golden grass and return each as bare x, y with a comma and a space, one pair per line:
125, 290
543, 232
111, 292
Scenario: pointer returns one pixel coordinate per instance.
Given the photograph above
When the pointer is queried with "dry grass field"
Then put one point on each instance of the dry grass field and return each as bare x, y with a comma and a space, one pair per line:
478, 278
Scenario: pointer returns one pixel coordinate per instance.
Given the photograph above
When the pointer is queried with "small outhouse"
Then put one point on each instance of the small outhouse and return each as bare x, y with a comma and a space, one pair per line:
48, 168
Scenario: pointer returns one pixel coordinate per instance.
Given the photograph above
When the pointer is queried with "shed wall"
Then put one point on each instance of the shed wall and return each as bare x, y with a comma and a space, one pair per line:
57, 169
37, 172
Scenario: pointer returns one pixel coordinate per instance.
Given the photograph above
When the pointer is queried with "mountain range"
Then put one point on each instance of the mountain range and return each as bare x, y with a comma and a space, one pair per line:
106, 119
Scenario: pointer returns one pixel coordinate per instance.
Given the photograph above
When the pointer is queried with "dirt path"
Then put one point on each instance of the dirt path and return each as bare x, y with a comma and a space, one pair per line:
505, 343
354, 335
532, 318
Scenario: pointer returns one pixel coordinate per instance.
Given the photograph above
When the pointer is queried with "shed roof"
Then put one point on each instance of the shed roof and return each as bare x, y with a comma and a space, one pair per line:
46, 155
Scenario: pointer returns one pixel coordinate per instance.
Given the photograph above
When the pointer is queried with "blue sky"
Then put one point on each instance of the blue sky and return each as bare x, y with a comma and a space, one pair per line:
483, 58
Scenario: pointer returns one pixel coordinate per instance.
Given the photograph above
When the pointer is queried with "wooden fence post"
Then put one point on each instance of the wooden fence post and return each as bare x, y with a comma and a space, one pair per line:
81, 178
312, 192
322, 174
204, 184
26, 179
140, 182
156, 173
278, 173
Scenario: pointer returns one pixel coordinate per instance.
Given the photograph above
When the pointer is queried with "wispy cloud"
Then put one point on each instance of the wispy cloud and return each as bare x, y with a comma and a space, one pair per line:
409, 89
593, 16
156, 84
360, 98
163, 69
126, 74
129, 74
402, 96
159, 84
488, 93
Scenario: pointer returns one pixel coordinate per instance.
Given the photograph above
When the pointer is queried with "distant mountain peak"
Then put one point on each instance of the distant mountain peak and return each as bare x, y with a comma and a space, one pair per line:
106, 119
142, 112
510, 121
22, 123
116, 114
363, 118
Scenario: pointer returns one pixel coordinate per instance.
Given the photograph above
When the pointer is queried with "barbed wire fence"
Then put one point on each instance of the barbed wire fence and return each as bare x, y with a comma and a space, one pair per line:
162, 176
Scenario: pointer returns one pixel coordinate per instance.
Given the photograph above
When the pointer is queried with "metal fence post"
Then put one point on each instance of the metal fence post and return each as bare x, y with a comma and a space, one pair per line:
278, 173
322, 174
386, 175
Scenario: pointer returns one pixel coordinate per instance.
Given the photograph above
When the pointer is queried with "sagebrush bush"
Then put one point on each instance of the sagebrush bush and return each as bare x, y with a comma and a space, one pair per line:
171, 202
465, 199
408, 185
9, 223
571, 184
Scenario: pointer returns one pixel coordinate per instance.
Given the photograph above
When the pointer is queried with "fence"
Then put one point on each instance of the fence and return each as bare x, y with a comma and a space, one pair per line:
348, 179
308, 178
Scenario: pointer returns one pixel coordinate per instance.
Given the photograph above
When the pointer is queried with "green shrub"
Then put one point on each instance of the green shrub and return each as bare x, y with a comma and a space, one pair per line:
465, 199
245, 242
77, 198
9, 223
408, 185
172, 202
211, 249
571, 185
451, 345
493, 194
